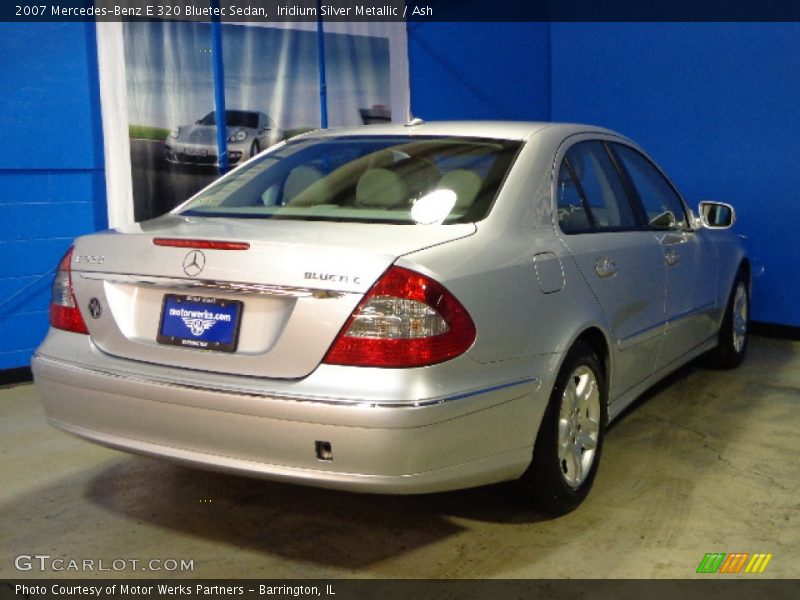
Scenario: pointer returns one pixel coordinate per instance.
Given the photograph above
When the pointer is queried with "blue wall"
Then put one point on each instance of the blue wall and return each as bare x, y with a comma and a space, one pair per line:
52, 182
479, 70
715, 104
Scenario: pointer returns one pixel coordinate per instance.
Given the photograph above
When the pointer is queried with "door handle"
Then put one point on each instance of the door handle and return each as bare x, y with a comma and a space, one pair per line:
672, 258
605, 267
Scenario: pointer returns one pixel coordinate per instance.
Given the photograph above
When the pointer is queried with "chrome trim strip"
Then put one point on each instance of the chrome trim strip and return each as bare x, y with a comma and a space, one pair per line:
222, 286
640, 337
420, 403
690, 312
662, 327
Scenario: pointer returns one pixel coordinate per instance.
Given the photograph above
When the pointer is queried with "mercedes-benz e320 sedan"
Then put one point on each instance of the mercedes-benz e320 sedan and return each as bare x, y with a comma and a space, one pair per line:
397, 309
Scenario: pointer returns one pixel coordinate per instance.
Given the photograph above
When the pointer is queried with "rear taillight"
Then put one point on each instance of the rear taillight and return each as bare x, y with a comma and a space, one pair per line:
405, 320
64, 313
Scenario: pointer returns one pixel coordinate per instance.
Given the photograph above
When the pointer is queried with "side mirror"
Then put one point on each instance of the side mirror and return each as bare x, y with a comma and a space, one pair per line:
717, 215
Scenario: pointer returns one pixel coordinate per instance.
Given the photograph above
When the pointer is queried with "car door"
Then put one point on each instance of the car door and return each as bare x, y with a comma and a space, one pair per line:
622, 262
690, 260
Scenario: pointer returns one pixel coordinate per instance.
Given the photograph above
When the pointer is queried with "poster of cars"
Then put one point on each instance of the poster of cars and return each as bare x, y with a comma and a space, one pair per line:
271, 92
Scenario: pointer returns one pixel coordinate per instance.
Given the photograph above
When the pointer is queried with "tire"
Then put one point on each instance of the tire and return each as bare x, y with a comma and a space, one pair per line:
255, 149
572, 427
733, 332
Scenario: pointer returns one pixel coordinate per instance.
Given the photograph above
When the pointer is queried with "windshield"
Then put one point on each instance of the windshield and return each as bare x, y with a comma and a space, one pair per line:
388, 179
233, 118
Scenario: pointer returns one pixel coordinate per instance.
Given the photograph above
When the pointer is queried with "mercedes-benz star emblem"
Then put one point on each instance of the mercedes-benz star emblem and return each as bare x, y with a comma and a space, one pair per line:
194, 262
95, 308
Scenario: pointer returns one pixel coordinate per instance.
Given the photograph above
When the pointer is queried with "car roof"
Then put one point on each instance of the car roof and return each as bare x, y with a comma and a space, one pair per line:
510, 130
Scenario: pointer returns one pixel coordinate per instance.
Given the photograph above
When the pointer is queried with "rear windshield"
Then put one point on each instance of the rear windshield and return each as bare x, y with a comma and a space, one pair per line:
392, 179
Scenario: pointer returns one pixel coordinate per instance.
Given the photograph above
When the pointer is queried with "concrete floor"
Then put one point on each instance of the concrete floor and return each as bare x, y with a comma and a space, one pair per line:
707, 462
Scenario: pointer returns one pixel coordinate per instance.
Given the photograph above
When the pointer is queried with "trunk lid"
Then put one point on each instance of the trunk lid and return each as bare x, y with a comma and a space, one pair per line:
298, 282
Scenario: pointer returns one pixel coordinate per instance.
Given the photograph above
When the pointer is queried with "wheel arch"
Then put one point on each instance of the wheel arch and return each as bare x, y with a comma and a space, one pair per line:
597, 341
745, 269
593, 336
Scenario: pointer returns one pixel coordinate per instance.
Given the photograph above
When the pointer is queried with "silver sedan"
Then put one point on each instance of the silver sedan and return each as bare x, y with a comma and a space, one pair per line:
247, 132
398, 309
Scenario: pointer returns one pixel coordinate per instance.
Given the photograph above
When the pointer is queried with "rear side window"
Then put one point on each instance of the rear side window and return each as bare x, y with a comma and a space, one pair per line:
662, 205
591, 196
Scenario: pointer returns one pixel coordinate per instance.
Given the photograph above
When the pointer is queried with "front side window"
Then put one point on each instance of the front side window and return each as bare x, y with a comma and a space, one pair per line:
389, 179
662, 205
590, 194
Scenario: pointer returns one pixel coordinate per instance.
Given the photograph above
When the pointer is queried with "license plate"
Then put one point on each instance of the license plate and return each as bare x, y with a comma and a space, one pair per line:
201, 323
192, 151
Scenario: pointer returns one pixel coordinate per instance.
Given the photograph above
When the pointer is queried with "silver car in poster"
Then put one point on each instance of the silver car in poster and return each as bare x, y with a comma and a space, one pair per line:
248, 132
398, 309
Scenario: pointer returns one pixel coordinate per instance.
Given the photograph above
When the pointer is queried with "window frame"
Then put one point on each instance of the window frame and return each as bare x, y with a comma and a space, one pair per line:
594, 228
633, 192
632, 195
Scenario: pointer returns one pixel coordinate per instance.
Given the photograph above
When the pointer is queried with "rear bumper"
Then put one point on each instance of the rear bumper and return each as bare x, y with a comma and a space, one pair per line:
478, 437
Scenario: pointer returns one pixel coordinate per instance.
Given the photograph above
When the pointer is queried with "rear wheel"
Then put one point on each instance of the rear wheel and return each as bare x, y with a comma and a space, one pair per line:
733, 333
567, 450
